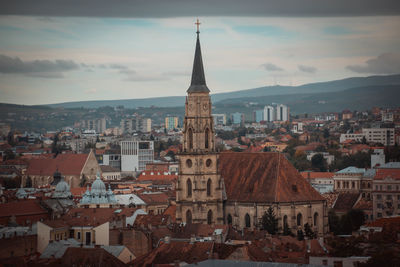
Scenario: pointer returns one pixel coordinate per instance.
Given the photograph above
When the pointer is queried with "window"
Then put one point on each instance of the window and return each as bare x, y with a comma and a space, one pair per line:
247, 220
190, 134
299, 219
208, 162
379, 205
285, 223
209, 187
206, 138
229, 219
389, 187
379, 215
378, 196
189, 163
188, 217
389, 197
209, 217
79, 235
316, 219
189, 187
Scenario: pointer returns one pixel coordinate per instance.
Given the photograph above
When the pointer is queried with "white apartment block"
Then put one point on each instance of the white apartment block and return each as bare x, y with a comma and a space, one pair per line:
282, 113
358, 137
269, 113
384, 136
219, 119
135, 155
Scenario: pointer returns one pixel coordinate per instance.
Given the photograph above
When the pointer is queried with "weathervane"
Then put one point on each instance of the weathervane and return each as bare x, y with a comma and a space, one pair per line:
198, 25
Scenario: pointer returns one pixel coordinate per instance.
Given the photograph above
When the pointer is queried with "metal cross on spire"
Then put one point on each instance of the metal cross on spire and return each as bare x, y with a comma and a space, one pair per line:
198, 25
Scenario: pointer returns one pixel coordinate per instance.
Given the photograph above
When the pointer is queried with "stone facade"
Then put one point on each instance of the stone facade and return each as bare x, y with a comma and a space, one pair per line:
237, 188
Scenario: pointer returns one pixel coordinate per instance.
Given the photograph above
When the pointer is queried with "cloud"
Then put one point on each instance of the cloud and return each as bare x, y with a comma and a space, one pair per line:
36, 68
133, 76
308, 69
271, 67
118, 66
180, 8
387, 63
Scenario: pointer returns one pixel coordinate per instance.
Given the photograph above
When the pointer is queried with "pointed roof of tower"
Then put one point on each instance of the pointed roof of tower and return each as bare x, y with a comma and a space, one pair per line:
198, 83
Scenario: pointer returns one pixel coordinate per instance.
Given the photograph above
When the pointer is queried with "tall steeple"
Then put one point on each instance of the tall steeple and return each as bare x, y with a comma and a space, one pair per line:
198, 83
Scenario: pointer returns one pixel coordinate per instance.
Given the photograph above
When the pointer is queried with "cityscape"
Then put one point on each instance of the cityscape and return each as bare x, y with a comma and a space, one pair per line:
218, 157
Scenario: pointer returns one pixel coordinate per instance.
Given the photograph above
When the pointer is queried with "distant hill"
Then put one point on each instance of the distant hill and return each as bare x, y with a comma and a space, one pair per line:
173, 101
359, 98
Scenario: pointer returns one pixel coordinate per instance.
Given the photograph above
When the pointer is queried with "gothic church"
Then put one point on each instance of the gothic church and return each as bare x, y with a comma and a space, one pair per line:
237, 188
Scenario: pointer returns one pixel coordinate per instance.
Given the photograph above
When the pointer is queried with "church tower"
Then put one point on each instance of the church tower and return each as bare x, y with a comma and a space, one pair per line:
200, 189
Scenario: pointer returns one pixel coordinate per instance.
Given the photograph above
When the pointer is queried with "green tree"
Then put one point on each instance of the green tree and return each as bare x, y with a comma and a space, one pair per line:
318, 162
8, 154
269, 221
308, 231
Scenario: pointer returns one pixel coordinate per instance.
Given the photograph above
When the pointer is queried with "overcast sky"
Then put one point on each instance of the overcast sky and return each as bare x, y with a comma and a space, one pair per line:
58, 51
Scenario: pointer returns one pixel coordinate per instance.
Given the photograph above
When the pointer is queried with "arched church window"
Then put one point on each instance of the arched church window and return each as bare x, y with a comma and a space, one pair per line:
206, 138
189, 187
190, 135
316, 219
208, 162
188, 217
247, 220
285, 222
189, 163
229, 219
209, 183
209, 217
299, 219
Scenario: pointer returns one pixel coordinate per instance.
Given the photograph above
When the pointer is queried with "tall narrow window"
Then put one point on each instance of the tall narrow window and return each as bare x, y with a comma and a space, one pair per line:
285, 223
316, 219
247, 220
209, 187
189, 188
190, 133
299, 219
209, 217
188, 217
206, 137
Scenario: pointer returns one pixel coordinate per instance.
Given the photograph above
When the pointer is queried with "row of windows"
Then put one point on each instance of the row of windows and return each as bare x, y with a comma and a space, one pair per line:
388, 187
388, 197
299, 220
189, 187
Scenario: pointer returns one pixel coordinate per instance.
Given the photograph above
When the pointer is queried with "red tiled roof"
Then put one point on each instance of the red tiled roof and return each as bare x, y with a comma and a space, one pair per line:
20, 208
155, 198
171, 211
184, 252
78, 191
316, 175
147, 176
154, 220
346, 201
263, 177
89, 257
90, 216
387, 173
391, 222
67, 164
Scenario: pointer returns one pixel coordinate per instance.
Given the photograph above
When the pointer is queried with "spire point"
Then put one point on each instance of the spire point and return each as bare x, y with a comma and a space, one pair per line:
198, 26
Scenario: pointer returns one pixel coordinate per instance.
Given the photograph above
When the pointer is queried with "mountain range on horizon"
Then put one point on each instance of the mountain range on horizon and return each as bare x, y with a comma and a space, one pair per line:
281, 94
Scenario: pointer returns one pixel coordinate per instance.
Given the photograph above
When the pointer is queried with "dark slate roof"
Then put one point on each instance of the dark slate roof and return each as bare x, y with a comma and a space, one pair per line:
263, 177
198, 83
346, 201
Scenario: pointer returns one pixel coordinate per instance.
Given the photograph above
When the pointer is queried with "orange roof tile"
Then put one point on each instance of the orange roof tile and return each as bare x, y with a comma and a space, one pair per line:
263, 177
22, 207
387, 173
156, 198
67, 164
